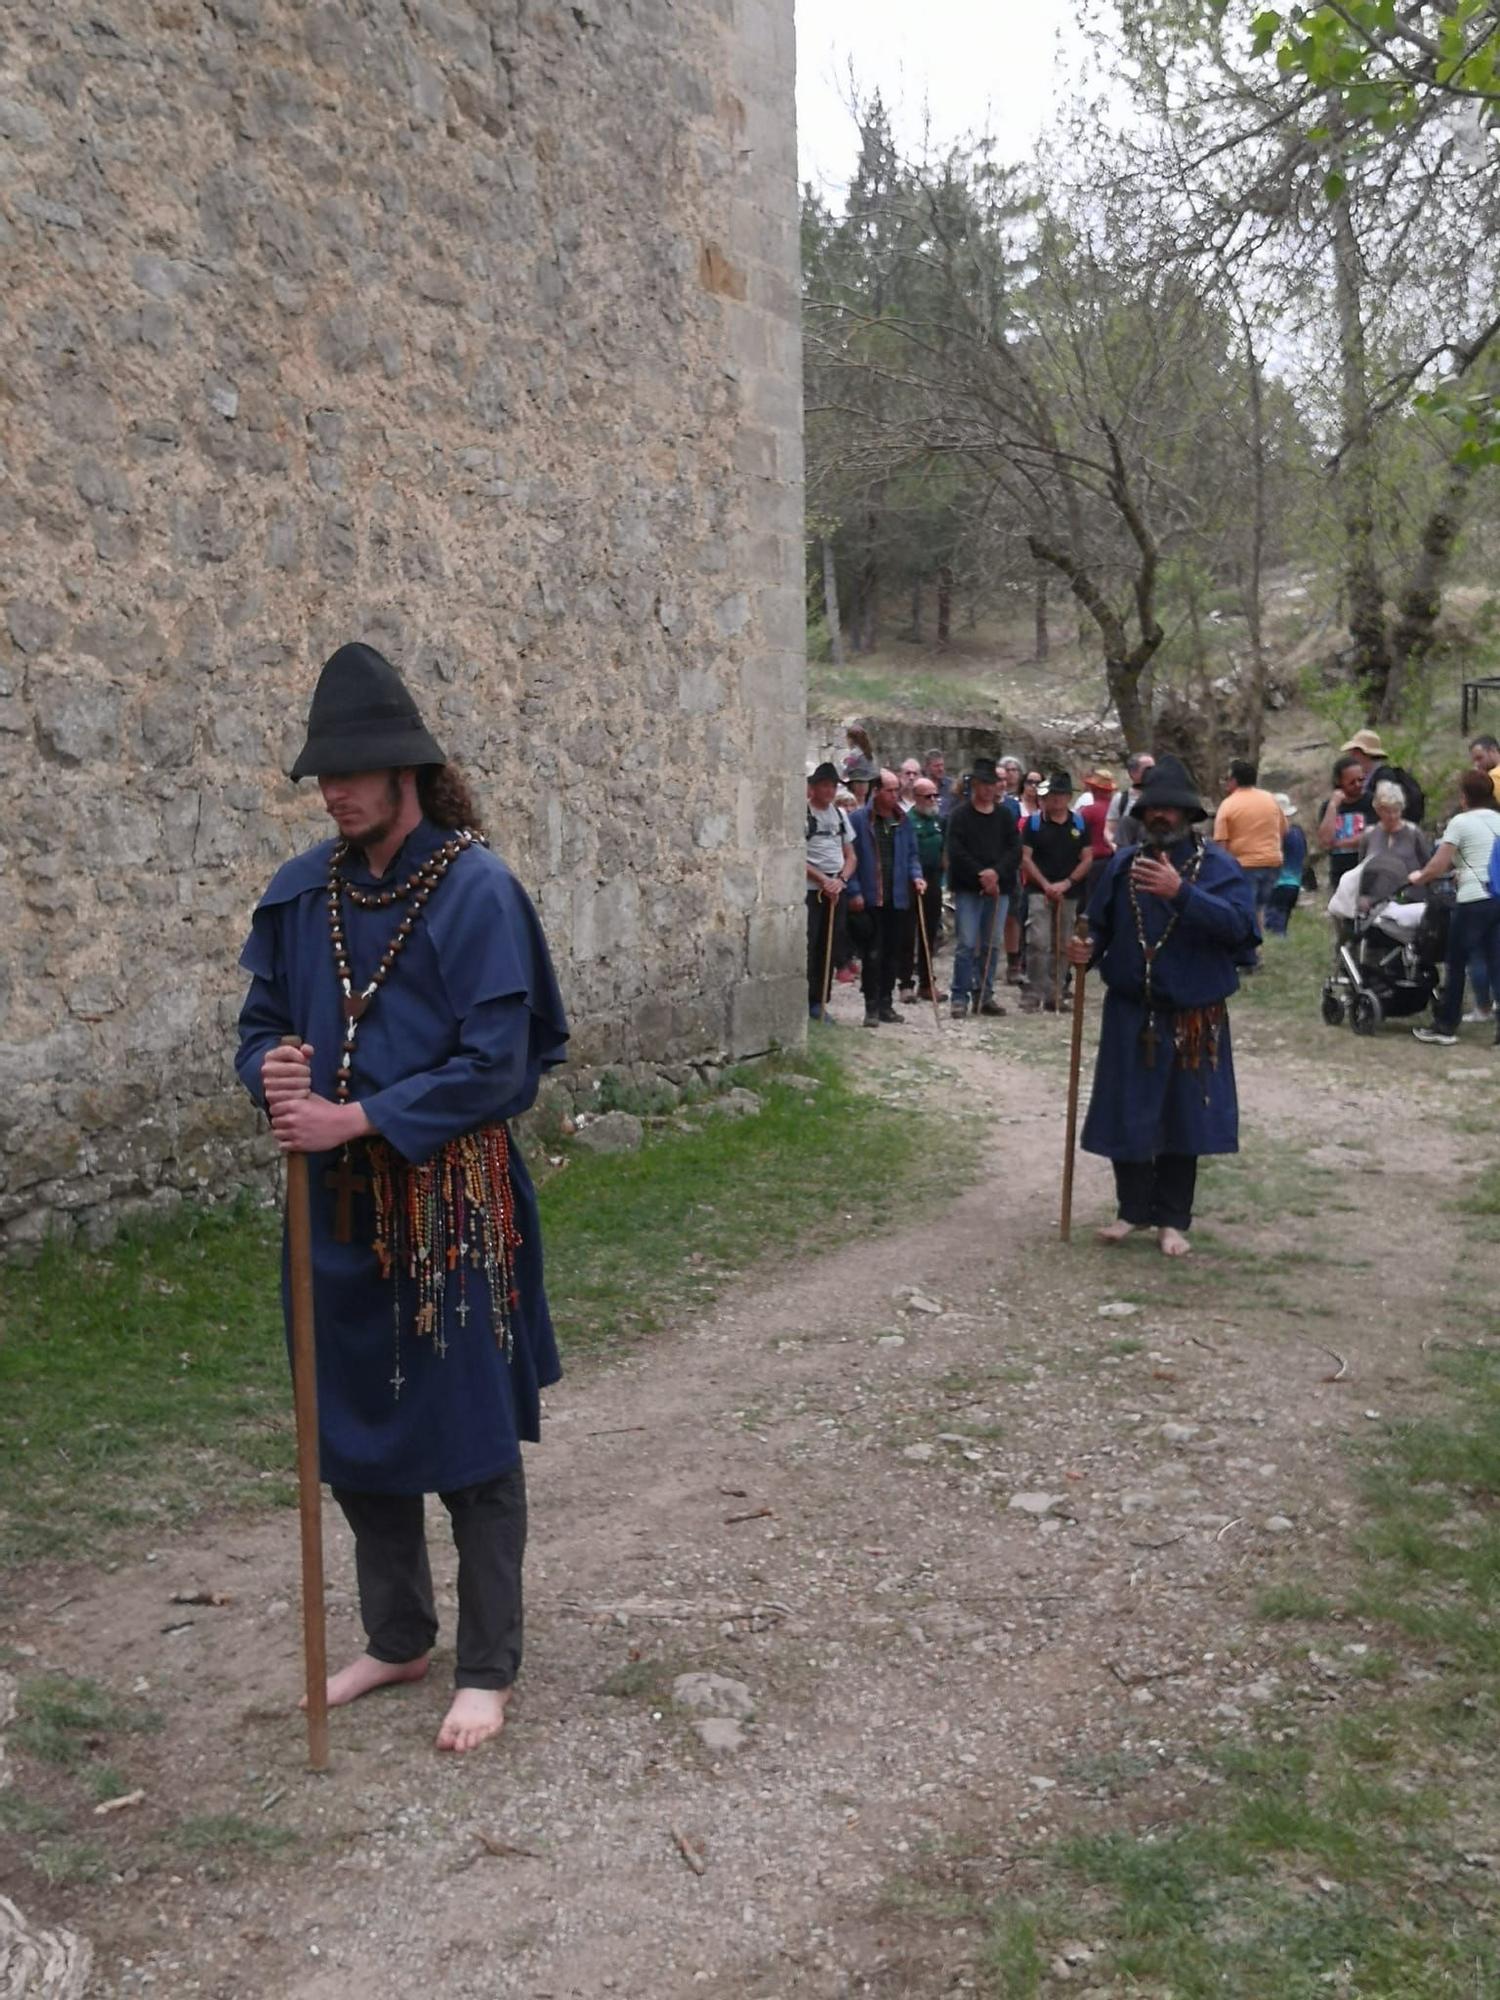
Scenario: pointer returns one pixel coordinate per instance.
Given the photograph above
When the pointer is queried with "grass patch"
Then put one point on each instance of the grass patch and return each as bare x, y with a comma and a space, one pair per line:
212, 1836
146, 1384
136, 1382
1322, 1853
63, 1721
640, 1240
1286, 1601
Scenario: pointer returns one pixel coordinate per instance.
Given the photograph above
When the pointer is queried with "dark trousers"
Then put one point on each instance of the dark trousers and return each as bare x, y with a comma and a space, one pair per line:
1473, 932
912, 966
820, 914
1157, 1194
395, 1579
880, 955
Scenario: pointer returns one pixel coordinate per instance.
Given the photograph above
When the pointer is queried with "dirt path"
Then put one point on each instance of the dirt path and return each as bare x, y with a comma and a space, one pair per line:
924, 1654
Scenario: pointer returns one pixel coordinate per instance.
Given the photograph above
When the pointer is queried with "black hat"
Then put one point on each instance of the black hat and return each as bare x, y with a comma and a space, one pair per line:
1170, 783
824, 774
362, 719
1058, 781
983, 771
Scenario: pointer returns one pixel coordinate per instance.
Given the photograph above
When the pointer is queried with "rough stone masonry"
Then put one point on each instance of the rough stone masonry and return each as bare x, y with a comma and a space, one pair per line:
468, 327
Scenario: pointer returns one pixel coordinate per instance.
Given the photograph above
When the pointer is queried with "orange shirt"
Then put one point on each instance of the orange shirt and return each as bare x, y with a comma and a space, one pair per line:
1251, 825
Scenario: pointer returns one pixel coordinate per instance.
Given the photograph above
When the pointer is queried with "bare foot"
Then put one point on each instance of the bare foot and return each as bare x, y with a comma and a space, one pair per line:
1172, 1243
476, 1715
364, 1674
1114, 1232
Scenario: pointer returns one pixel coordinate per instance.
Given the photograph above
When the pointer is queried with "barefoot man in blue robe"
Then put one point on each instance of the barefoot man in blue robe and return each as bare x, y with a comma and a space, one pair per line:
1170, 921
409, 962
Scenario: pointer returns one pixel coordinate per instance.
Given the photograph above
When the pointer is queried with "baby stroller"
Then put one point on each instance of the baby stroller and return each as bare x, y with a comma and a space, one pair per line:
1391, 965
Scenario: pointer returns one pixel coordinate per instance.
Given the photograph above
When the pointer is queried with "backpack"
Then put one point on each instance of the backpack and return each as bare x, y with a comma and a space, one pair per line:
1492, 873
1035, 821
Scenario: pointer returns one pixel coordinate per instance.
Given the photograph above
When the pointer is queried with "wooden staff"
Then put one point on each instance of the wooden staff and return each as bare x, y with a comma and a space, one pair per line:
830, 905
1075, 1065
984, 974
1057, 973
937, 1012
309, 1489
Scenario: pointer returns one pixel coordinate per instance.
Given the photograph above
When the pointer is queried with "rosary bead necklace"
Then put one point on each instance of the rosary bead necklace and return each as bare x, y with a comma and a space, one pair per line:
415, 890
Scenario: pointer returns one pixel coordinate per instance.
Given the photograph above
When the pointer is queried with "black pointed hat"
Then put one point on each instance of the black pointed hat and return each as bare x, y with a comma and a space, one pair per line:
362, 719
1169, 782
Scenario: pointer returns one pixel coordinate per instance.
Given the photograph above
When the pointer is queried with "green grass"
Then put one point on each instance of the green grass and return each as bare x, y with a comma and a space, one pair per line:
145, 1384
63, 1721
640, 1240
1324, 1851
139, 1381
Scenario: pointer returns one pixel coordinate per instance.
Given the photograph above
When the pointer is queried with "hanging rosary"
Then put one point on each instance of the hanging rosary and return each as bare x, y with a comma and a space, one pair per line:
455, 1211
417, 887
1149, 952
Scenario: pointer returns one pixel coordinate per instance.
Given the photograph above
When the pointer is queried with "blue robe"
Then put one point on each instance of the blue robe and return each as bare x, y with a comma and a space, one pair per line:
1137, 1112
458, 1036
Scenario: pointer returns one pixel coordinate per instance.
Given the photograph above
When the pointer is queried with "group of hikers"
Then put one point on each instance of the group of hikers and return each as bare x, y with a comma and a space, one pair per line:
1010, 854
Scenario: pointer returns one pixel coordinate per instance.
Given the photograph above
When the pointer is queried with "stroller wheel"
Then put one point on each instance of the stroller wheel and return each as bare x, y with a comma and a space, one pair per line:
1366, 1014
1334, 1010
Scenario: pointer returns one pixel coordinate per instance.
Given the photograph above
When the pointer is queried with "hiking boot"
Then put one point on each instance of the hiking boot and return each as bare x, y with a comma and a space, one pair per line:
926, 994
993, 1009
1012, 968
959, 1010
889, 1015
872, 1017
816, 1013
1030, 1004
1441, 1037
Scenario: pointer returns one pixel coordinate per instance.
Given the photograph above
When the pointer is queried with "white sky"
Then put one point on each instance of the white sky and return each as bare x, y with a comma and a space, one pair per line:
972, 63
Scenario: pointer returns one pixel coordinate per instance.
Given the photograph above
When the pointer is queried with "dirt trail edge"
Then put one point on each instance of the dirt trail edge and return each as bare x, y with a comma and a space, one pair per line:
954, 1512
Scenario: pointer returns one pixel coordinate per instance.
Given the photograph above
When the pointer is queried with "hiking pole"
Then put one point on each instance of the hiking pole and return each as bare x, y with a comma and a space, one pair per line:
1057, 971
1075, 1065
828, 903
309, 1491
984, 975
937, 1012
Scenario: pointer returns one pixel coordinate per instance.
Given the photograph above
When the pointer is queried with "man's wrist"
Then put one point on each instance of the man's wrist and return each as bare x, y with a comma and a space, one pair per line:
358, 1121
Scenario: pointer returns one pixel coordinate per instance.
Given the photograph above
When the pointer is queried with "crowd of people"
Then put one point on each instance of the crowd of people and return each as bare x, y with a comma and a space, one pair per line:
999, 863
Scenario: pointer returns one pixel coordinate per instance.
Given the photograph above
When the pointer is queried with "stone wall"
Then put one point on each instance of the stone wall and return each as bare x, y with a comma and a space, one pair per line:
468, 327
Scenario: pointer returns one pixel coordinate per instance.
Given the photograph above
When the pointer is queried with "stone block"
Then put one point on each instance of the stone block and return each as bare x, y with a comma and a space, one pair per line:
768, 1013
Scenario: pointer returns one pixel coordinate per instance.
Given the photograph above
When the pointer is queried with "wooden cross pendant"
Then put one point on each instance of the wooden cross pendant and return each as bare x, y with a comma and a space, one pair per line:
346, 1184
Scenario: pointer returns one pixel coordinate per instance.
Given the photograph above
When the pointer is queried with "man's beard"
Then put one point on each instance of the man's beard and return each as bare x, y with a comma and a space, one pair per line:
1160, 831
381, 829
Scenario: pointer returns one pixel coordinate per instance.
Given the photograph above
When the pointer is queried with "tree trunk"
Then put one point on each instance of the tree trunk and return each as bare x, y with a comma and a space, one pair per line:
1042, 644
831, 604
915, 634
1252, 589
1363, 591
1422, 599
944, 607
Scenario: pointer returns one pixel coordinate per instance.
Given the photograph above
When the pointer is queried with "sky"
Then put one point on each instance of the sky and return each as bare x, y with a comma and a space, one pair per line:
973, 63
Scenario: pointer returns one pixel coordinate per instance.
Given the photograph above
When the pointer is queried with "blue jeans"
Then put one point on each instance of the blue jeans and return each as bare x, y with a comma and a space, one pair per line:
1474, 933
979, 921
1262, 881
1479, 979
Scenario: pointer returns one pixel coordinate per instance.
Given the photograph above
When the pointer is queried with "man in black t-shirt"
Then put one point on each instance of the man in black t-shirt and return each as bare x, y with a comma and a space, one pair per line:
1055, 857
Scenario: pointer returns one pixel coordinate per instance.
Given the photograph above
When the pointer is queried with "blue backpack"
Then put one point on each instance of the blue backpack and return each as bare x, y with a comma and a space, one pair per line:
1492, 873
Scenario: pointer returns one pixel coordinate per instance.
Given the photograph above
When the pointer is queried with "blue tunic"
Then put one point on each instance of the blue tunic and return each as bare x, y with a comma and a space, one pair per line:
458, 1036
1135, 1111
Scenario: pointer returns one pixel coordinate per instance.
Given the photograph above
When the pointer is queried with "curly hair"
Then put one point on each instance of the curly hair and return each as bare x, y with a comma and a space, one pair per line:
444, 795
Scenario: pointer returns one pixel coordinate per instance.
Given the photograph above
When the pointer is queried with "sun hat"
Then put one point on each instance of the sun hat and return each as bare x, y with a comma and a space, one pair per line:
1367, 741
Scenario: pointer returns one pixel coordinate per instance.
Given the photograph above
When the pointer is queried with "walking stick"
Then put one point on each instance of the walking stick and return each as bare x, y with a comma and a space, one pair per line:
937, 1012
984, 974
1057, 976
828, 902
1075, 1064
309, 1491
